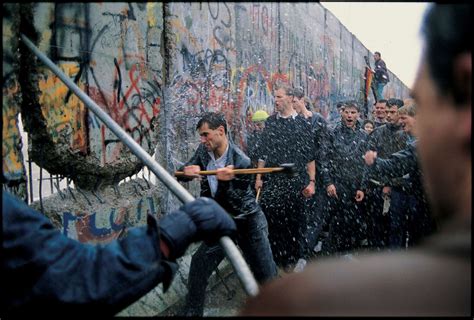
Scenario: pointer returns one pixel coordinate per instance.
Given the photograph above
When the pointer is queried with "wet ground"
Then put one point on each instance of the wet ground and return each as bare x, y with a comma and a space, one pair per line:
220, 301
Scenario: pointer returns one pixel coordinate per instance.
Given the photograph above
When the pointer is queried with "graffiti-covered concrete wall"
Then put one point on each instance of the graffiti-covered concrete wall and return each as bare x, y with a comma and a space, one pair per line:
154, 68
217, 56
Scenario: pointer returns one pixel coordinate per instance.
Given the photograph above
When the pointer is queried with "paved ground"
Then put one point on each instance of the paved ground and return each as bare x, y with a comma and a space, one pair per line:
220, 302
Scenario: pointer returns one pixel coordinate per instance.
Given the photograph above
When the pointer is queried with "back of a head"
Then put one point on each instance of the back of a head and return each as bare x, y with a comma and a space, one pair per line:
447, 26
409, 110
298, 92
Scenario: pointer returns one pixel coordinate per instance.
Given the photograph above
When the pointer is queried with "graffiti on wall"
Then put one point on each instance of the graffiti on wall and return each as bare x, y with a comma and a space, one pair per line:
102, 227
62, 111
13, 167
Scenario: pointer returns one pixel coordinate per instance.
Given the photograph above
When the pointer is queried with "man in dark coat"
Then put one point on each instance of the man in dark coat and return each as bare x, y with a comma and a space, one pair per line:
287, 138
381, 75
343, 180
234, 193
385, 140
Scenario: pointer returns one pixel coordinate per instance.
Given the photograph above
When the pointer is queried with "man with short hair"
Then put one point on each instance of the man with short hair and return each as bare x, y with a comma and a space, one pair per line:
316, 209
287, 138
233, 193
381, 75
433, 279
343, 181
385, 140
380, 112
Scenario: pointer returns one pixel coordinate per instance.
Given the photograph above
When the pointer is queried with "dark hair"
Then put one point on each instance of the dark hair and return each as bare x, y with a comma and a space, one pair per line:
368, 121
447, 29
392, 102
376, 52
308, 104
213, 120
298, 92
352, 104
380, 101
341, 104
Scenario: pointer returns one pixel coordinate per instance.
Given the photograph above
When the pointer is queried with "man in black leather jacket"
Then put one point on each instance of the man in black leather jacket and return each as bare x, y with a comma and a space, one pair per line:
235, 195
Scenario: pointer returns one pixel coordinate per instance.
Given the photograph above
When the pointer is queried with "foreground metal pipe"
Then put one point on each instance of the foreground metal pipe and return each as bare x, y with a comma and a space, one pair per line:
233, 254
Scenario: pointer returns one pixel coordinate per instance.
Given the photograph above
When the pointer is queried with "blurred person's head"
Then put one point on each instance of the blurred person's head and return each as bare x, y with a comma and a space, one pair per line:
442, 91
407, 118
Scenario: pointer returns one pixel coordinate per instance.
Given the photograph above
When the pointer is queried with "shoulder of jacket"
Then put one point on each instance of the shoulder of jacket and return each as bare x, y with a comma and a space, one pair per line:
241, 160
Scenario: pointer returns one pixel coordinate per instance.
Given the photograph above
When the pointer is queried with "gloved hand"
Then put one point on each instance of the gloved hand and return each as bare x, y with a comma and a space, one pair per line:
202, 219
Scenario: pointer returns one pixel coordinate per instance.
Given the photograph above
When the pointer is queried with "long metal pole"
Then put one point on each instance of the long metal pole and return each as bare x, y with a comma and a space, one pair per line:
233, 254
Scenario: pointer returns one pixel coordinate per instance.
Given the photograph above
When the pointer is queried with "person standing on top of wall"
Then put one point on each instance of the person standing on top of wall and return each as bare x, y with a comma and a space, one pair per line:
381, 75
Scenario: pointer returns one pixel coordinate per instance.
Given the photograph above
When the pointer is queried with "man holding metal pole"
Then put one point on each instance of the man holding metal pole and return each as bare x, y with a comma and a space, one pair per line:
234, 193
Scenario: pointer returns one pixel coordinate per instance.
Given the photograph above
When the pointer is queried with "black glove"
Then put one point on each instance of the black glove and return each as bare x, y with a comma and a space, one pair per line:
202, 219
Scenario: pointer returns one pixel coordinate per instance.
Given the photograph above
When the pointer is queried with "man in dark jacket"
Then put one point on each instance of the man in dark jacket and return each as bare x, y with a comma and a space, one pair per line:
287, 138
234, 193
46, 273
317, 213
381, 75
385, 140
409, 213
343, 180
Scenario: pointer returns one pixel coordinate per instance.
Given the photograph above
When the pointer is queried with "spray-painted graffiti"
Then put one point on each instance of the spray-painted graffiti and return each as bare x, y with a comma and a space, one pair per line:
63, 111
13, 167
221, 57
102, 227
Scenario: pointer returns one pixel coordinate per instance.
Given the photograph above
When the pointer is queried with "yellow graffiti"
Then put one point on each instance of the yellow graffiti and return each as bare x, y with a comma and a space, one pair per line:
61, 116
150, 13
12, 164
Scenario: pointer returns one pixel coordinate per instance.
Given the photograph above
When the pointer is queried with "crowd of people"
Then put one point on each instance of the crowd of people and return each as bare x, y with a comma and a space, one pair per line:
357, 186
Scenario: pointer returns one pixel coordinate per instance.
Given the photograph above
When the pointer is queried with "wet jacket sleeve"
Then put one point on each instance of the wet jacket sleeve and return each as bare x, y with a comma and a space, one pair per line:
46, 272
326, 158
397, 164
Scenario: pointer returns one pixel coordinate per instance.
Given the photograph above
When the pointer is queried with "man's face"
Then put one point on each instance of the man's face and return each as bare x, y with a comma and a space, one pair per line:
298, 104
408, 123
376, 57
211, 138
350, 116
392, 114
380, 111
282, 100
438, 150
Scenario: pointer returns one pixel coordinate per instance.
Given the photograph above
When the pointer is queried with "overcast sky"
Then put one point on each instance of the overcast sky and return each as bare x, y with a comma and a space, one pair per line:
393, 29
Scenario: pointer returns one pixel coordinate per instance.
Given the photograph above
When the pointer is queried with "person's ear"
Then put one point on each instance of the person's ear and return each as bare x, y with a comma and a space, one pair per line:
221, 130
462, 69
